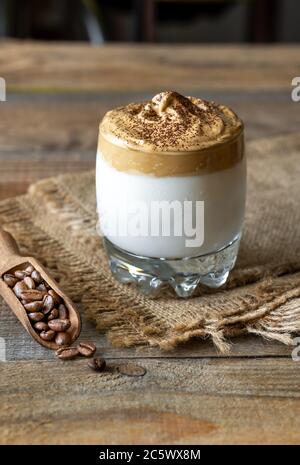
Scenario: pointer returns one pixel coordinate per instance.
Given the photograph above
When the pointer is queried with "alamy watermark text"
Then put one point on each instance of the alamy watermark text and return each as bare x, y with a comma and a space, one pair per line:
2, 90
296, 89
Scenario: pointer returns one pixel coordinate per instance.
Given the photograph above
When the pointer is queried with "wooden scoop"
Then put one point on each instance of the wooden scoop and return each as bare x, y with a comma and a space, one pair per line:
11, 260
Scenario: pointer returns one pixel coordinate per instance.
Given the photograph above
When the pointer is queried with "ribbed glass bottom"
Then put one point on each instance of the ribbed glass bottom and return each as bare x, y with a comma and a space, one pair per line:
183, 275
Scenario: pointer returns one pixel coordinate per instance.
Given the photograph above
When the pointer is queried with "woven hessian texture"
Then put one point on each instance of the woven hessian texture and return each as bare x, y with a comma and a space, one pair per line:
56, 222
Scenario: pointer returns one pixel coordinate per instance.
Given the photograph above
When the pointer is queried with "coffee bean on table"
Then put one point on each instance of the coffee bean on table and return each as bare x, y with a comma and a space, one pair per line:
60, 349
62, 339
63, 312
87, 349
36, 316
10, 279
59, 325
41, 326
52, 315
67, 353
97, 364
29, 282
130, 369
32, 294
36, 276
48, 304
19, 288
47, 335
35, 306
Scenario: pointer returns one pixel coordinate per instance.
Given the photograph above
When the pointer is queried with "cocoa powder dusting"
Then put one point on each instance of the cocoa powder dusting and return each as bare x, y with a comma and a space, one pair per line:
170, 122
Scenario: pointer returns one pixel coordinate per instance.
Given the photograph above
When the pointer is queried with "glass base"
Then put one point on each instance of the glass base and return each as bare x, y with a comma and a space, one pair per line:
183, 274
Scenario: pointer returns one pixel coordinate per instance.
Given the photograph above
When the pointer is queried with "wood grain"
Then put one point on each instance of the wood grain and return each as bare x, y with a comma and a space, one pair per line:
30, 66
181, 402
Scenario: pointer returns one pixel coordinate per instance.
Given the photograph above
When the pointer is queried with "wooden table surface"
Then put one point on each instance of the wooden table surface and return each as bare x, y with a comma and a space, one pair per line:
56, 96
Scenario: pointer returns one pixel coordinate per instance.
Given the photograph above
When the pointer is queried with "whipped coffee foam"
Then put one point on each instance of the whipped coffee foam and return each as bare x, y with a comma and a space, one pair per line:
170, 122
171, 135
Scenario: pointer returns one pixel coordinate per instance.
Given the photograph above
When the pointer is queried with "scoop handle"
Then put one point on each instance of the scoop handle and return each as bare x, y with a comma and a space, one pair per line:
8, 246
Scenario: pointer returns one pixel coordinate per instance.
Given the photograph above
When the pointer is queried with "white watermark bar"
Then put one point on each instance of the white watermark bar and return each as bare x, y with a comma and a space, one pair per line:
155, 219
296, 89
296, 351
2, 350
2, 90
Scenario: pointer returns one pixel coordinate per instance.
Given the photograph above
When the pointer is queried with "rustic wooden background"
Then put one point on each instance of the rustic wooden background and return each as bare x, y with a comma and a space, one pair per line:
56, 96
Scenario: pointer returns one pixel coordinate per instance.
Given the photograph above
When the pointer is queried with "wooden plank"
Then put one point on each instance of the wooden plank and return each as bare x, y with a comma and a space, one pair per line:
18, 176
68, 67
19, 170
181, 402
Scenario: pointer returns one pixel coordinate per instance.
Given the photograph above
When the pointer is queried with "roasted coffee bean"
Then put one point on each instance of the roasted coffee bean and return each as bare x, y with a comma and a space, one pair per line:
41, 326
63, 312
59, 325
21, 274
97, 364
48, 304
56, 297
29, 269
29, 282
42, 287
36, 276
36, 316
60, 349
19, 288
87, 349
67, 353
63, 339
130, 369
47, 335
31, 294
53, 314
10, 279
33, 306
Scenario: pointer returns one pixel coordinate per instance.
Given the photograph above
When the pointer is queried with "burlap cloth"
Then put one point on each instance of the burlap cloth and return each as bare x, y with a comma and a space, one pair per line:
56, 221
